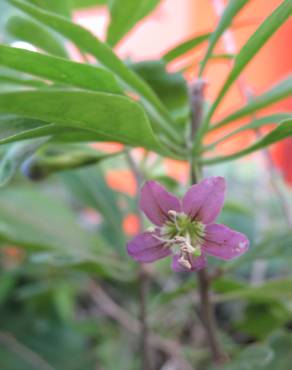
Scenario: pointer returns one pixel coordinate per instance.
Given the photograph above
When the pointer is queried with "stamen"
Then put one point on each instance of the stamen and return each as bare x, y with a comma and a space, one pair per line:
187, 248
184, 262
185, 245
164, 240
173, 215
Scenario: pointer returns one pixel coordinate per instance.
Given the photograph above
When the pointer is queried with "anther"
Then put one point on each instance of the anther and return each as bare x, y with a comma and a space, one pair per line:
172, 214
187, 248
185, 263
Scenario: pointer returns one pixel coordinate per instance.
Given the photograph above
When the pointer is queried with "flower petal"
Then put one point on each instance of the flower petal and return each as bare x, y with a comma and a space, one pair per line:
155, 202
197, 263
204, 201
146, 248
224, 243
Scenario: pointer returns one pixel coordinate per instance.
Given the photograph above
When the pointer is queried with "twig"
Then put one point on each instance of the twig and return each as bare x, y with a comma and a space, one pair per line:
19, 349
113, 310
208, 318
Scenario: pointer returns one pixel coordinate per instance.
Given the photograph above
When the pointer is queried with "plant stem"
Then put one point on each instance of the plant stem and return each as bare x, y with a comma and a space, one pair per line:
143, 281
206, 309
208, 318
206, 312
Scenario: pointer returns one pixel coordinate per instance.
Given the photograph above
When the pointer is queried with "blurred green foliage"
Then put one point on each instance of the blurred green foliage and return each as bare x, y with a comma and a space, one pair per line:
69, 294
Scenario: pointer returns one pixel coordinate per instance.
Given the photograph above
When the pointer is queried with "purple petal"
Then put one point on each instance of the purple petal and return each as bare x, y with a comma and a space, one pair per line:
224, 243
204, 201
146, 248
197, 263
155, 202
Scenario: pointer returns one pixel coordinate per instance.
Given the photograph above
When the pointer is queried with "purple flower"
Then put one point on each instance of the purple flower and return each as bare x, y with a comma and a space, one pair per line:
186, 230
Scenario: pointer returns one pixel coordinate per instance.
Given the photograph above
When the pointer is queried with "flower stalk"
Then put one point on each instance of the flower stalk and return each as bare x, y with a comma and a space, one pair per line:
206, 308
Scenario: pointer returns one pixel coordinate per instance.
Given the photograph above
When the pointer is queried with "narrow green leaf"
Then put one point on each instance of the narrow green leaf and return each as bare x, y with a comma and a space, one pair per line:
59, 70
61, 7
275, 289
34, 33
15, 155
117, 117
124, 15
185, 46
80, 4
89, 188
213, 57
255, 356
278, 92
32, 219
10, 80
56, 158
279, 133
87, 42
255, 124
13, 128
231, 10
252, 47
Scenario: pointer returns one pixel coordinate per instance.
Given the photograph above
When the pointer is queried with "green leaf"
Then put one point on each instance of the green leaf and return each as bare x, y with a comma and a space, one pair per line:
87, 42
34, 33
252, 47
15, 155
261, 319
89, 189
32, 219
59, 70
171, 88
255, 124
185, 46
124, 15
256, 356
11, 80
278, 92
280, 343
231, 10
61, 7
279, 133
274, 289
56, 158
80, 4
117, 117
13, 128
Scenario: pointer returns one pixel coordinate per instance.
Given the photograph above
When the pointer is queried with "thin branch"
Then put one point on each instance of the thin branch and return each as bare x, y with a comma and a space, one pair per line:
19, 349
113, 310
207, 316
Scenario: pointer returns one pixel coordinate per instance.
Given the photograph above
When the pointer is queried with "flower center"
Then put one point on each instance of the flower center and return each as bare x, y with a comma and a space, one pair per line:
184, 236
